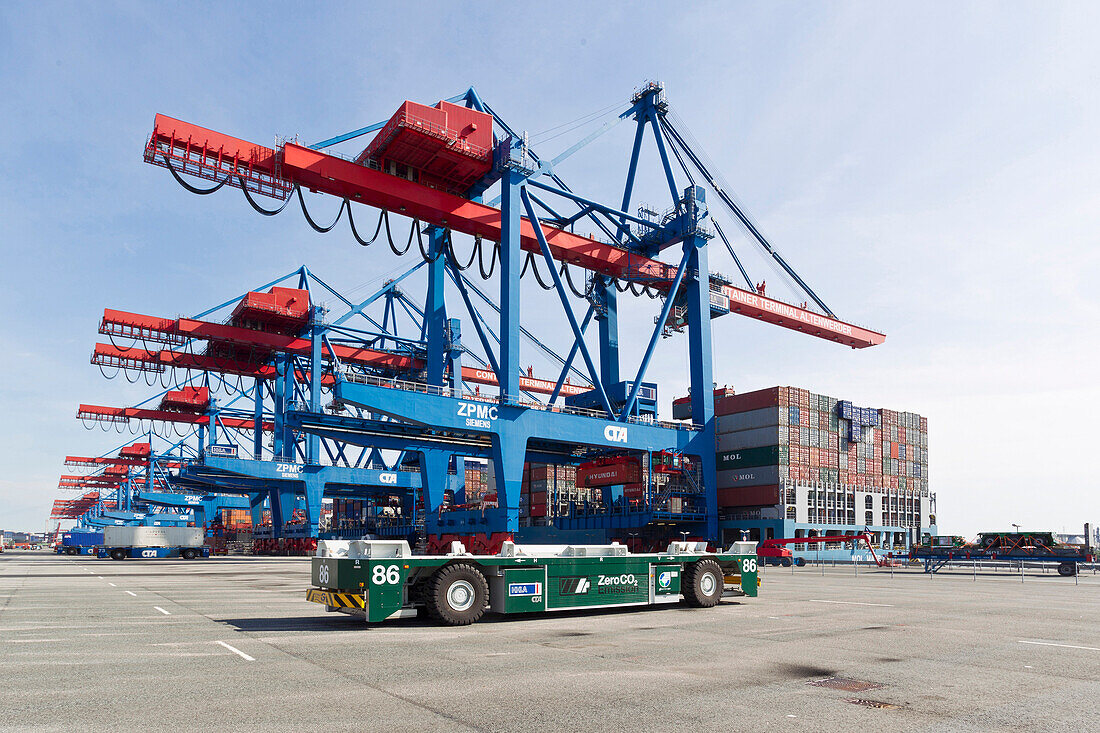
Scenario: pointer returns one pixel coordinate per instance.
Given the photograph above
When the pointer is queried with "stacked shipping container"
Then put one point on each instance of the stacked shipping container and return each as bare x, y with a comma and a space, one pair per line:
544, 485
236, 519
773, 440
548, 489
477, 481
365, 514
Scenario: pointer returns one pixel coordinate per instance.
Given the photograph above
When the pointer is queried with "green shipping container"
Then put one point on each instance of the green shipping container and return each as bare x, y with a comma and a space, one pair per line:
772, 455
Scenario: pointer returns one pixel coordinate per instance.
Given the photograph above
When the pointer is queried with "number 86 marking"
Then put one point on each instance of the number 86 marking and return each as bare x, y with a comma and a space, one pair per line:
385, 575
748, 565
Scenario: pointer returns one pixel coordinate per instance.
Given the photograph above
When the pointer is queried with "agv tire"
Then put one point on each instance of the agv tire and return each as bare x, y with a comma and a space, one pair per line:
188, 553
118, 554
1067, 570
701, 583
786, 562
456, 595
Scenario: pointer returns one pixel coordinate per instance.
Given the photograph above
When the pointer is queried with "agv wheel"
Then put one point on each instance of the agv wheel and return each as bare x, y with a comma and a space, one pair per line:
118, 554
457, 594
1067, 570
702, 583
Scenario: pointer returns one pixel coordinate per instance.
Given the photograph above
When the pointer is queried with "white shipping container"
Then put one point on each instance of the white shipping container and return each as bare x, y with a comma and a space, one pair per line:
152, 536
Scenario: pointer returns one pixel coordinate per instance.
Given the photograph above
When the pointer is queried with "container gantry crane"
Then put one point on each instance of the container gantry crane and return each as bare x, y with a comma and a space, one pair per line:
281, 358
117, 475
436, 165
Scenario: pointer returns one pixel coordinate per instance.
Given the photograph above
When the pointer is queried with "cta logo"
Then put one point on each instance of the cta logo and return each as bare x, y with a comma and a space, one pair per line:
387, 478
615, 433
665, 579
576, 586
477, 415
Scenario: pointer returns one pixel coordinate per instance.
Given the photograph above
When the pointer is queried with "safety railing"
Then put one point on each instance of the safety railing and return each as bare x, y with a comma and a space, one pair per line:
194, 158
422, 388
428, 127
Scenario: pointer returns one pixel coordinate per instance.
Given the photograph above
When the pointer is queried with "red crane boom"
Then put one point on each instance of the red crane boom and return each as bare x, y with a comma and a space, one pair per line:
154, 329
274, 172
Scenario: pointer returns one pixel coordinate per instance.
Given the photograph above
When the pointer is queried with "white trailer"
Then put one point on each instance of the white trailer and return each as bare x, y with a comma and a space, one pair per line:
120, 543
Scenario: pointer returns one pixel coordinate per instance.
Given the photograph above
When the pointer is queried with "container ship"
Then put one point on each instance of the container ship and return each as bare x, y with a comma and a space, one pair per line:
792, 463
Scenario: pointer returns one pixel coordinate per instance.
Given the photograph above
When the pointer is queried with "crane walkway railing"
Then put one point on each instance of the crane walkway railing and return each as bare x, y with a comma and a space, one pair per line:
422, 388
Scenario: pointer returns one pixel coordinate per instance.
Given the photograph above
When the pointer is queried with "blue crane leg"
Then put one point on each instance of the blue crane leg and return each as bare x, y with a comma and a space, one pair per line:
702, 380
511, 259
256, 508
435, 309
433, 481
314, 492
509, 450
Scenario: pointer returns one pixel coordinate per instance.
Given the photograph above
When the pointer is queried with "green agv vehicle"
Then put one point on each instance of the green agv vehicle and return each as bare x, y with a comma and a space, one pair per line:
382, 579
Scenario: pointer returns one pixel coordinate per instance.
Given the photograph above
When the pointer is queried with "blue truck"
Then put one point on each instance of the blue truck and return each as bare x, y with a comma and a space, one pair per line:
80, 542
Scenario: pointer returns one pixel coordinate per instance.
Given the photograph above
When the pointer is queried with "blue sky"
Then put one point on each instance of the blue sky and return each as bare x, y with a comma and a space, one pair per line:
931, 170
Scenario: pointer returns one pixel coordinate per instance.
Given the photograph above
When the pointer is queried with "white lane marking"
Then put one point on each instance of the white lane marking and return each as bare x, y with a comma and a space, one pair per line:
100, 577
111, 584
31, 641
854, 603
162, 610
1064, 646
132, 593
235, 650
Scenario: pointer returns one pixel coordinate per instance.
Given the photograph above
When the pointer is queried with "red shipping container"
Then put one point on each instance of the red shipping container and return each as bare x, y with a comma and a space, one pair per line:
537, 511
748, 496
589, 475
757, 400
541, 471
633, 491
